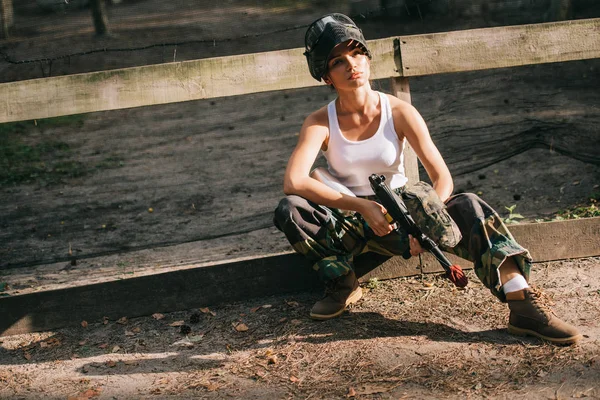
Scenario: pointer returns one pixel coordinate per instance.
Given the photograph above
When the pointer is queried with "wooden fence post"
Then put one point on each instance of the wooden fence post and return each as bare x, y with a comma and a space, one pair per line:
6, 17
401, 90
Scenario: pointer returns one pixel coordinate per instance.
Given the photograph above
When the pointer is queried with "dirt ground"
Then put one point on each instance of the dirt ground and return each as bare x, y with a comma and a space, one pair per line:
417, 338
160, 187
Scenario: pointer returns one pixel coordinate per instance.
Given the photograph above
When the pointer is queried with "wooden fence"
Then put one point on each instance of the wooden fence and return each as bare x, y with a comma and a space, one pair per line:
404, 56
394, 58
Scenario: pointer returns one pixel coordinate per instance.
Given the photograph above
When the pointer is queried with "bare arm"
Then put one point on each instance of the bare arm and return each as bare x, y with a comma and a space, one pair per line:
297, 180
409, 124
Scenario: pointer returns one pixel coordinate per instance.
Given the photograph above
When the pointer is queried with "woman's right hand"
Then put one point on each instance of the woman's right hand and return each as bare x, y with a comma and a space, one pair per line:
374, 215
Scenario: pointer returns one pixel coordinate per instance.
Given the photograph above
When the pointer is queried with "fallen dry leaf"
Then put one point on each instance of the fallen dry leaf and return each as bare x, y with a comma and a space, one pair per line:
137, 329
351, 392
83, 342
294, 379
266, 306
110, 364
122, 320
104, 320
115, 349
129, 333
372, 389
272, 359
88, 394
177, 323
27, 356
185, 342
103, 345
91, 393
53, 342
205, 310
84, 324
241, 327
255, 309
158, 316
210, 386
292, 303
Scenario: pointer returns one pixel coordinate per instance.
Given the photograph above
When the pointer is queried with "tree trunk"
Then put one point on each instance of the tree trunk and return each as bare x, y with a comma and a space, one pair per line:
99, 17
6, 17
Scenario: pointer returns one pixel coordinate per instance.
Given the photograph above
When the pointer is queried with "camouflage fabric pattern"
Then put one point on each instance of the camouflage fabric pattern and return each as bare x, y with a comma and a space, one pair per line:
486, 241
429, 213
331, 239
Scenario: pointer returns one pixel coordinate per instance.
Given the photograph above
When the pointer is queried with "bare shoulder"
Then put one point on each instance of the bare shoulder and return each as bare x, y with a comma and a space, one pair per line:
404, 114
400, 107
317, 119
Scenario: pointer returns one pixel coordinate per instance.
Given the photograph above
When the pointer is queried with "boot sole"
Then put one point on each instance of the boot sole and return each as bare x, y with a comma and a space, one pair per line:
355, 296
527, 332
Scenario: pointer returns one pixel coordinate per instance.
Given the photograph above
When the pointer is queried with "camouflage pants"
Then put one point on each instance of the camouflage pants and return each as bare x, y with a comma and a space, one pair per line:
331, 239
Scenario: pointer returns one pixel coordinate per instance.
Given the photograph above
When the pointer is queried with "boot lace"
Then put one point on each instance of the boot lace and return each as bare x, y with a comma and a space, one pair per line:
541, 301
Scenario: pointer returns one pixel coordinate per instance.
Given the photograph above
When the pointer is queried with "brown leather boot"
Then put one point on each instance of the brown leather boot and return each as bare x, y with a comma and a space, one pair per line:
531, 315
339, 293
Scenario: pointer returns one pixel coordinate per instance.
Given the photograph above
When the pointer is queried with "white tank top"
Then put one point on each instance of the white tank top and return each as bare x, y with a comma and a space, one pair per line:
352, 162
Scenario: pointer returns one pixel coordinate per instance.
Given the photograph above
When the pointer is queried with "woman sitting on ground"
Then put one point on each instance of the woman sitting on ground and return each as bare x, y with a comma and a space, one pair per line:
363, 132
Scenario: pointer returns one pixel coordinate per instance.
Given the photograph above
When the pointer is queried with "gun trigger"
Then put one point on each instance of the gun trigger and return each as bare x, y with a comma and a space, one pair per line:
389, 218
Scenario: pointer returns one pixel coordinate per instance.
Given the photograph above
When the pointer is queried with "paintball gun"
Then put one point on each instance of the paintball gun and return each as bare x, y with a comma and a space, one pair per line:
398, 213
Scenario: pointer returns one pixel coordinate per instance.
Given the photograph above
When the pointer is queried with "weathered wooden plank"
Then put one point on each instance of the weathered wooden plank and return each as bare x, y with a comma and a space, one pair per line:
546, 241
168, 83
189, 288
558, 240
244, 279
6, 17
500, 47
286, 69
401, 89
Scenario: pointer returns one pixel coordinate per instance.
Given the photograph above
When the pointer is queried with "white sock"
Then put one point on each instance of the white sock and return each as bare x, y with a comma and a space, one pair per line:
515, 284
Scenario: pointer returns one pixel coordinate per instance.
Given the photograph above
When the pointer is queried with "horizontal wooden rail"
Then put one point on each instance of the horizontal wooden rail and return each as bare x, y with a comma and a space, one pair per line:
507, 46
237, 280
286, 69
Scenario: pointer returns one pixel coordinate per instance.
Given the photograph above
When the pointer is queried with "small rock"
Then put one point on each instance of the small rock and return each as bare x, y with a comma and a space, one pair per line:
185, 329
194, 318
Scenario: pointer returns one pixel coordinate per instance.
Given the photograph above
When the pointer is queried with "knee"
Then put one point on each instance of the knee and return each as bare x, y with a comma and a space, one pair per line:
286, 209
465, 200
468, 205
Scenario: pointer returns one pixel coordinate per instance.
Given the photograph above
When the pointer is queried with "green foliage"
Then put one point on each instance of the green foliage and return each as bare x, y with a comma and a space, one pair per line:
373, 283
49, 161
512, 216
587, 210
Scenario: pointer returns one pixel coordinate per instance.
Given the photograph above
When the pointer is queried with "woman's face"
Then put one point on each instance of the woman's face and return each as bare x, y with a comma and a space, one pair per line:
348, 66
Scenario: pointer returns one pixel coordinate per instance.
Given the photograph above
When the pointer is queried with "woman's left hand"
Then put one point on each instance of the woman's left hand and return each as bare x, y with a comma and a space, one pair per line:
415, 246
